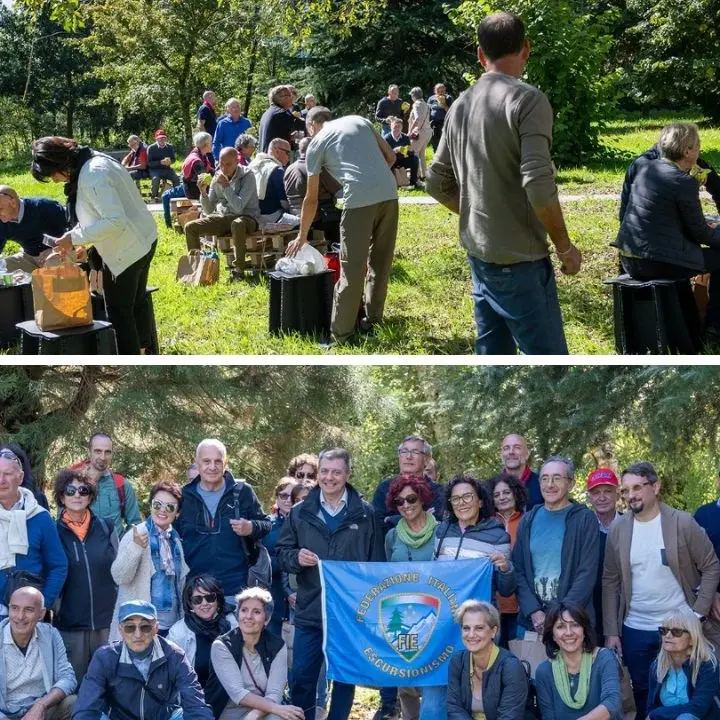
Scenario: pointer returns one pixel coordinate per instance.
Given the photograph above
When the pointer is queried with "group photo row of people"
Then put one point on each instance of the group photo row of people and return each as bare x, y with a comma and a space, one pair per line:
209, 607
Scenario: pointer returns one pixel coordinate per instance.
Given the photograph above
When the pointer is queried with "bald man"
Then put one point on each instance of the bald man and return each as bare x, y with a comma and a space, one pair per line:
37, 681
26, 220
514, 454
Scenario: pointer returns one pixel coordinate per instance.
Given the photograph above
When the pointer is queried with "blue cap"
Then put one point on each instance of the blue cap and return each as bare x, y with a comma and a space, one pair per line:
141, 608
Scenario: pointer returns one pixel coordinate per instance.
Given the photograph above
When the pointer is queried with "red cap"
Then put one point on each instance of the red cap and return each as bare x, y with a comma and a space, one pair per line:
602, 476
160, 133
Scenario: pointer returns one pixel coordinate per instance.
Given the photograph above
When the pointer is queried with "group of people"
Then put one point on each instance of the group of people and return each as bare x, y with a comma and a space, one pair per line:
177, 615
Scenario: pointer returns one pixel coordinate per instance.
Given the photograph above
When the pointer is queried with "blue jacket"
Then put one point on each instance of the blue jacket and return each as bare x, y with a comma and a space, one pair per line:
89, 595
704, 700
227, 132
40, 216
579, 564
533, 490
113, 686
209, 542
708, 518
57, 672
45, 557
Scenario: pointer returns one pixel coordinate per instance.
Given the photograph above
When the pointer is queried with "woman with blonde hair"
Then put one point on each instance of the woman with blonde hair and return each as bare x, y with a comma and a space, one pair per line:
684, 676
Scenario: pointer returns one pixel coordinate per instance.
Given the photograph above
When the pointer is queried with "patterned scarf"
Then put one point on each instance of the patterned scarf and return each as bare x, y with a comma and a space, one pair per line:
165, 553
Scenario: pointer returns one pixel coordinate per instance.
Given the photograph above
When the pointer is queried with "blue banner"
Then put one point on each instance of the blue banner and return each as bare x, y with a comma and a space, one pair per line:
391, 624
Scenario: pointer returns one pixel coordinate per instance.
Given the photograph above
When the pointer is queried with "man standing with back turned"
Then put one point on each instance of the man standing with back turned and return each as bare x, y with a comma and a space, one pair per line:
493, 168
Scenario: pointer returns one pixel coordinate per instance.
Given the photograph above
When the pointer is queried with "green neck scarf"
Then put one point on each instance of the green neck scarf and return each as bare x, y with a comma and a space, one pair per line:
417, 539
562, 680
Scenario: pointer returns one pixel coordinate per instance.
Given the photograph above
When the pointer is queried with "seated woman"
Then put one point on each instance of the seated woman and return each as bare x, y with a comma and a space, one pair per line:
663, 232
206, 618
249, 666
484, 681
579, 680
684, 676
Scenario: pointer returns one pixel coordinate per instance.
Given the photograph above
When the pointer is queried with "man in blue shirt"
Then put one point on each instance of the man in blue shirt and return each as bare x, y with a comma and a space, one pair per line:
26, 220
229, 127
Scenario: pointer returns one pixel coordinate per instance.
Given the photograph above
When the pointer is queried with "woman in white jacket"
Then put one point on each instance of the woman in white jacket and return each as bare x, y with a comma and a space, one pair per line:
105, 211
150, 563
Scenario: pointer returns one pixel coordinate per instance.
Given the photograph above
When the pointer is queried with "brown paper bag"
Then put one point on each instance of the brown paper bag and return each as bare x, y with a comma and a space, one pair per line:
61, 297
195, 268
184, 218
530, 649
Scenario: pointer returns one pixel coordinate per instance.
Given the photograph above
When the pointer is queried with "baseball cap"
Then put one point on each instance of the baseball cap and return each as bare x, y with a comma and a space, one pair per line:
140, 608
602, 476
160, 133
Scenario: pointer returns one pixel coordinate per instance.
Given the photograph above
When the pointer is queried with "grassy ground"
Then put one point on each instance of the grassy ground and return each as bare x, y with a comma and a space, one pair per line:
429, 307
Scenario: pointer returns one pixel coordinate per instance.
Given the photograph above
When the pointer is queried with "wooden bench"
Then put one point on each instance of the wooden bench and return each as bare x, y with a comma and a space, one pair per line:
182, 211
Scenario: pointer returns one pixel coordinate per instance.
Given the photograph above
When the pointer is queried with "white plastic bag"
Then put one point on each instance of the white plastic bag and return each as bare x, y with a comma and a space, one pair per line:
307, 261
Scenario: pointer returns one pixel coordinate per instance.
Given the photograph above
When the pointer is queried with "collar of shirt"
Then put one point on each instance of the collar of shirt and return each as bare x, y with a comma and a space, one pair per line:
20, 504
8, 638
21, 211
324, 504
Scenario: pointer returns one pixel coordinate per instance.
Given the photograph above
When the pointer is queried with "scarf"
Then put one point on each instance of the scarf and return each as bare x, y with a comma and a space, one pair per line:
263, 167
494, 652
79, 529
71, 187
211, 629
165, 553
416, 539
210, 105
562, 680
13, 528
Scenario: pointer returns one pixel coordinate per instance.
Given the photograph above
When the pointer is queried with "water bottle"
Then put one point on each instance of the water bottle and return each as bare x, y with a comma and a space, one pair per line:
3, 266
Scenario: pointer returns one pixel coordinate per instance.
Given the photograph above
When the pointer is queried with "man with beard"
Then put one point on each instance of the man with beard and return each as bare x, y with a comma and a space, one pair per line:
658, 561
514, 454
115, 500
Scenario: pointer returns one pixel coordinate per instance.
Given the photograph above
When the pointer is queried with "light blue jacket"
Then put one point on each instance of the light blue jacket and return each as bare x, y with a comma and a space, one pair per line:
57, 670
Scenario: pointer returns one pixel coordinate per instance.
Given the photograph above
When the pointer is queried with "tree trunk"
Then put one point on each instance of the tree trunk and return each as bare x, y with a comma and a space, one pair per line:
253, 62
70, 116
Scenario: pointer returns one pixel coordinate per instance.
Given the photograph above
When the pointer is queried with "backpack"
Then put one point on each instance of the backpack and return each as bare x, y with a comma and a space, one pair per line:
256, 554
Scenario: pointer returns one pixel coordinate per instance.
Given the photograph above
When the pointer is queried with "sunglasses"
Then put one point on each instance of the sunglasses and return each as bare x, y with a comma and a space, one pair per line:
409, 500
132, 628
284, 496
157, 505
303, 476
675, 632
9, 454
198, 599
82, 490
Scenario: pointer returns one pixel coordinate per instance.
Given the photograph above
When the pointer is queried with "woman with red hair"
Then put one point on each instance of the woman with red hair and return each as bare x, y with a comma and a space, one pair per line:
410, 540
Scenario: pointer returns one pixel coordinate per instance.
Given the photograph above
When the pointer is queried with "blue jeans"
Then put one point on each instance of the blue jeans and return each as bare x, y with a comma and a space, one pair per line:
516, 307
307, 659
434, 702
176, 192
639, 648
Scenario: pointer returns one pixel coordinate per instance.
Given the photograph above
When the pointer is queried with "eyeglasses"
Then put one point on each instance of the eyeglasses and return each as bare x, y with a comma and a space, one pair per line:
81, 490
9, 454
635, 489
305, 476
198, 599
410, 500
465, 499
675, 632
132, 628
284, 496
552, 479
157, 505
408, 451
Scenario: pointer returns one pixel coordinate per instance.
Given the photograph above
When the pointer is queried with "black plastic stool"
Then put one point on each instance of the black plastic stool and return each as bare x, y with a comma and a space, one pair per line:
95, 339
16, 305
99, 313
301, 303
658, 317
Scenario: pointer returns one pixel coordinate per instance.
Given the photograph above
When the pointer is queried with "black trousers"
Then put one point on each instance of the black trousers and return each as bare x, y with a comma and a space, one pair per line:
127, 304
644, 269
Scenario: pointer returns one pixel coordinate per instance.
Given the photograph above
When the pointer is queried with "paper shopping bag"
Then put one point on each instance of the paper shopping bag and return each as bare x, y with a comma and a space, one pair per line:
61, 297
530, 649
196, 268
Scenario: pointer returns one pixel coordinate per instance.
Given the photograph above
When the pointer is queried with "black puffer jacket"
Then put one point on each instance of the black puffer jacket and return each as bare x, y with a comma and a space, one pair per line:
663, 220
358, 538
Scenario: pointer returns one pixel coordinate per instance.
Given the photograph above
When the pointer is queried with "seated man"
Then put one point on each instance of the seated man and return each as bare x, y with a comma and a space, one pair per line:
245, 146
36, 679
327, 217
398, 140
161, 155
230, 205
198, 162
269, 171
26, 220
136, 161
663, 232
142, 676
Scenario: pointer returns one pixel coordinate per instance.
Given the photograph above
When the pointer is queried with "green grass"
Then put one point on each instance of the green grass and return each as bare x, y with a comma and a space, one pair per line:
429, 306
